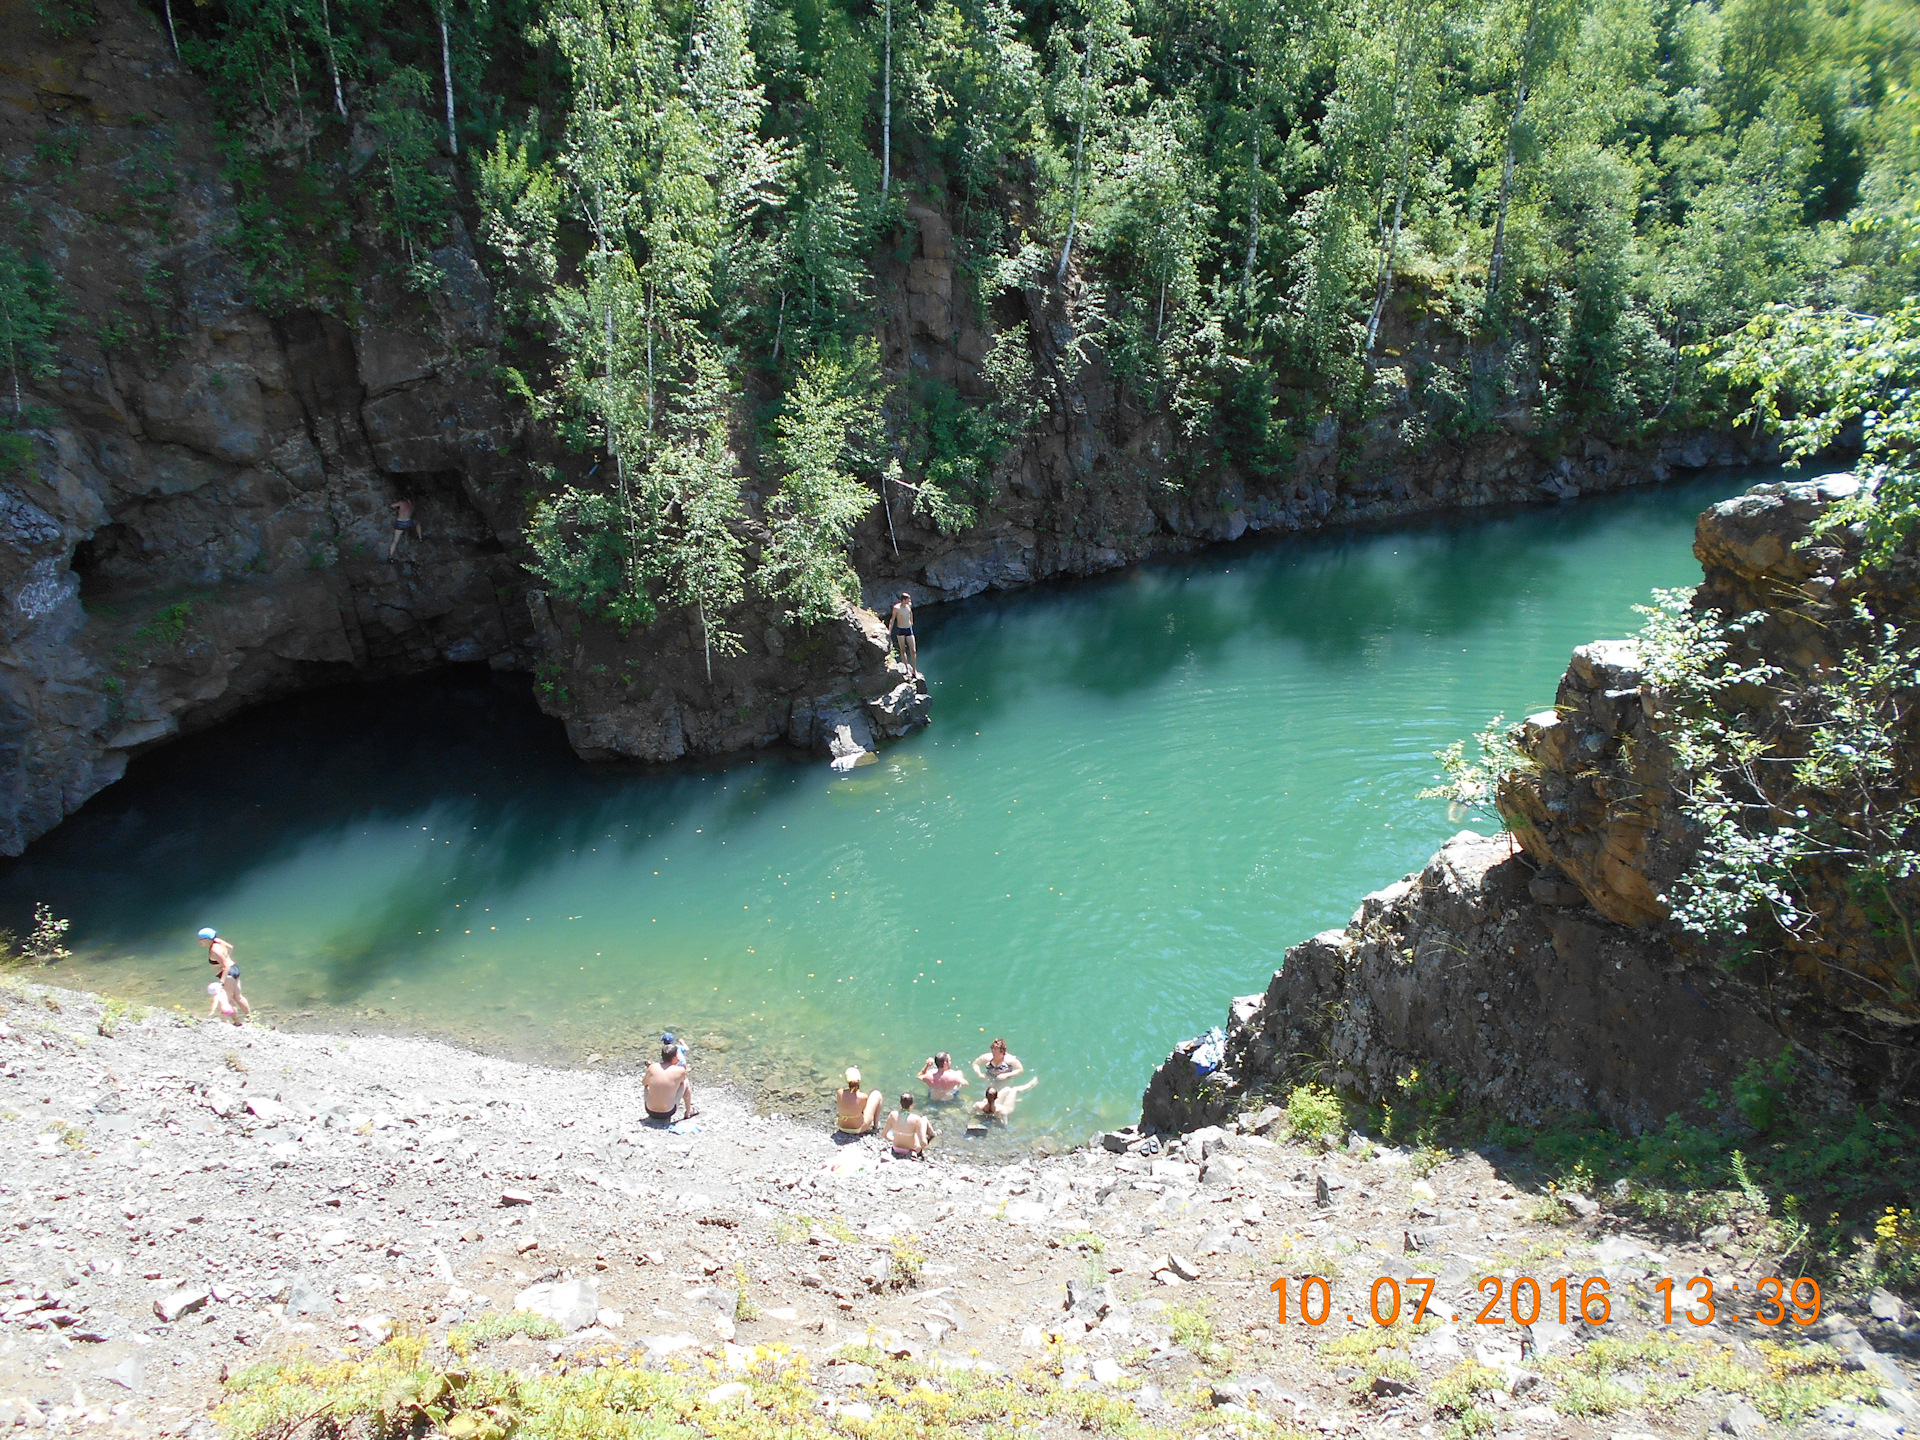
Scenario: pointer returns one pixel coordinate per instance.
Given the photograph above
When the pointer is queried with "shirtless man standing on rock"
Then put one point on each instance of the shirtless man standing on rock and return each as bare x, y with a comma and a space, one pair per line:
900, 623
666, 1084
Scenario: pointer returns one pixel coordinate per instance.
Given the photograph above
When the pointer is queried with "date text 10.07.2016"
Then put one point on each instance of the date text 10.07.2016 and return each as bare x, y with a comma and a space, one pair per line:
1523, 1301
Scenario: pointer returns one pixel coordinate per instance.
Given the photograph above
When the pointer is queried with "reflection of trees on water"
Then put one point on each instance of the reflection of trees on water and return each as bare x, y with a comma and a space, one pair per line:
469, 755
1339, 596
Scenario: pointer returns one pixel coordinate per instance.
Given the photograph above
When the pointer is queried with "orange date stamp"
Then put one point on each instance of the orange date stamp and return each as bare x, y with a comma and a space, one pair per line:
1524, 1301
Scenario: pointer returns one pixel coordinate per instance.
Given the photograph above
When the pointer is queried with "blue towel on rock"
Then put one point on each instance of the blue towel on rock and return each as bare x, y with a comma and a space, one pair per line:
1211, 1052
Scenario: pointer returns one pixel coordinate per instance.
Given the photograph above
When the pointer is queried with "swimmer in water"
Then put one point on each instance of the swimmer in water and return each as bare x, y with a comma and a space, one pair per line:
1001, 1099
942, 1080
997, 1065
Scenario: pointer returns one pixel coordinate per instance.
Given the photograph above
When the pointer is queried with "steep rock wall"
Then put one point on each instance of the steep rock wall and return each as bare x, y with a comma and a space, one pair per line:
1460, 971
207, 521
1093, 487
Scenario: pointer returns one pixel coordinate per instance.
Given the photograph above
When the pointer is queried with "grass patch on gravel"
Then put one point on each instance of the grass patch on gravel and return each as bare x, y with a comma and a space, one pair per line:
1797, 1379
461, 1339
396, 1389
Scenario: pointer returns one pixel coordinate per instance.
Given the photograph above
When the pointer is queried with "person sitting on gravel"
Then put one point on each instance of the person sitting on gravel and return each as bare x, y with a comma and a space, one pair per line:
943, 1082
1001, 1099
220, 954
997, 1064
908, 1133
856, 1111
666, 1084
683, 1058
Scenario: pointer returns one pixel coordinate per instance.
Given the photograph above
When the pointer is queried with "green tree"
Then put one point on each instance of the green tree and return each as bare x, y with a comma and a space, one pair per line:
827, 425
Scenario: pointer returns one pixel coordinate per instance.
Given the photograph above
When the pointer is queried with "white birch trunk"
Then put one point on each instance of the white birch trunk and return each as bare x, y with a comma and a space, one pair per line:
1079, 151
886, 109
446, 75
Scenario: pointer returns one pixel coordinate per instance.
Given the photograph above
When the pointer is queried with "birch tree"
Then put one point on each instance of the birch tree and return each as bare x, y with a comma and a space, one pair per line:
1536, 30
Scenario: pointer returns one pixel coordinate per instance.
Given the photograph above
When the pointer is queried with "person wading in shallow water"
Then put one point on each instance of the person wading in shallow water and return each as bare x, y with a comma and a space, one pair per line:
997, 1064
220, 955
1001, 1099
402, 525
900, 623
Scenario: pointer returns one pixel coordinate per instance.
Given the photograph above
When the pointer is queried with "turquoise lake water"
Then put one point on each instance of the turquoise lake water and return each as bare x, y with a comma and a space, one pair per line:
1137, 792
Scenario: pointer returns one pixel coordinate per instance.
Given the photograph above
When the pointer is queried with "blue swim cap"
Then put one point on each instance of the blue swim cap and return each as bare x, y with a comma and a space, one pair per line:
209, 934
667, 1039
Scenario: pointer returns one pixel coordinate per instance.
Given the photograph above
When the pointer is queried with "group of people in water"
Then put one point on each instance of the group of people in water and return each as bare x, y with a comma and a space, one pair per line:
667, 1090
667, 1085
857, 1111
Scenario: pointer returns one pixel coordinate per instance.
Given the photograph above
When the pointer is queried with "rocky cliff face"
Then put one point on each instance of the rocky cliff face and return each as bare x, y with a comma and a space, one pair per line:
208, 518
1533, 1007
1542, 972
1095, 487
1603, 804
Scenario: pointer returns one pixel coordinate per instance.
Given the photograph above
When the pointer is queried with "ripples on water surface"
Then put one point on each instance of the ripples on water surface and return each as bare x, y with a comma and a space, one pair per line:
1138, 791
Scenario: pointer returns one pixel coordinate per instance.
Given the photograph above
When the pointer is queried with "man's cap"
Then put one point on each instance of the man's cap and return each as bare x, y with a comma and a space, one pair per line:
853, 1075
906, 594
209, 934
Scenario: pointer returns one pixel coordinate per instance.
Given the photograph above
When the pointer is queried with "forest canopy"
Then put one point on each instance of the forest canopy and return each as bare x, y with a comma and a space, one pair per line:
1250, 213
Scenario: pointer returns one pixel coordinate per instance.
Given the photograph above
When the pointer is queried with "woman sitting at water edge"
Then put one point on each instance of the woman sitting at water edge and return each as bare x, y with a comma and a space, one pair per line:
943, 1082
997, 1064
908, 1133
856, 1111
1001, 1099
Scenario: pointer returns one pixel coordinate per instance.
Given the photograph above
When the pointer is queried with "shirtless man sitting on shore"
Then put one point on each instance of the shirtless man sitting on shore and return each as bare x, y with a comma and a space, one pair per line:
856, 1111
666, 1085
908, 1133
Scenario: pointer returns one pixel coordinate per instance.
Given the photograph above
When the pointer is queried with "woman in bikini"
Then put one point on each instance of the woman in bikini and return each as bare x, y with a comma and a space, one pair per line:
909, 1134
997, 1064
1001, 1099
227, 972
856, 1112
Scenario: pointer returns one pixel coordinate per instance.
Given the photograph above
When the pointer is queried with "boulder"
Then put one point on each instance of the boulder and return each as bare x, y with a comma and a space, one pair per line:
184, 1301
570, 1304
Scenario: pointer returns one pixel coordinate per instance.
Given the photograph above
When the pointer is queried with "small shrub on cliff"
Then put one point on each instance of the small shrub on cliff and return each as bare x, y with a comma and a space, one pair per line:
1472, 787
1315, 1113
1798, 787
42, 945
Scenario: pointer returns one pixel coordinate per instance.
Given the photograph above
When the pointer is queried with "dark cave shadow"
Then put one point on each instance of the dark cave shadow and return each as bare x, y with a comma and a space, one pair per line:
464, 746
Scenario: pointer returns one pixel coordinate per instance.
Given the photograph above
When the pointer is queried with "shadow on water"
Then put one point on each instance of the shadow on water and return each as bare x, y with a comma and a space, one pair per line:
1338, 595
467, 749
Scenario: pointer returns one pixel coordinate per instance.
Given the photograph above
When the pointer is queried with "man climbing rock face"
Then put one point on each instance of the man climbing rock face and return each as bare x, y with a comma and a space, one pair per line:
402, 525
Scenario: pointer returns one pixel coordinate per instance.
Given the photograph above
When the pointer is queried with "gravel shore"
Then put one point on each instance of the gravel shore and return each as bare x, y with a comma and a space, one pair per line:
184, 1199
